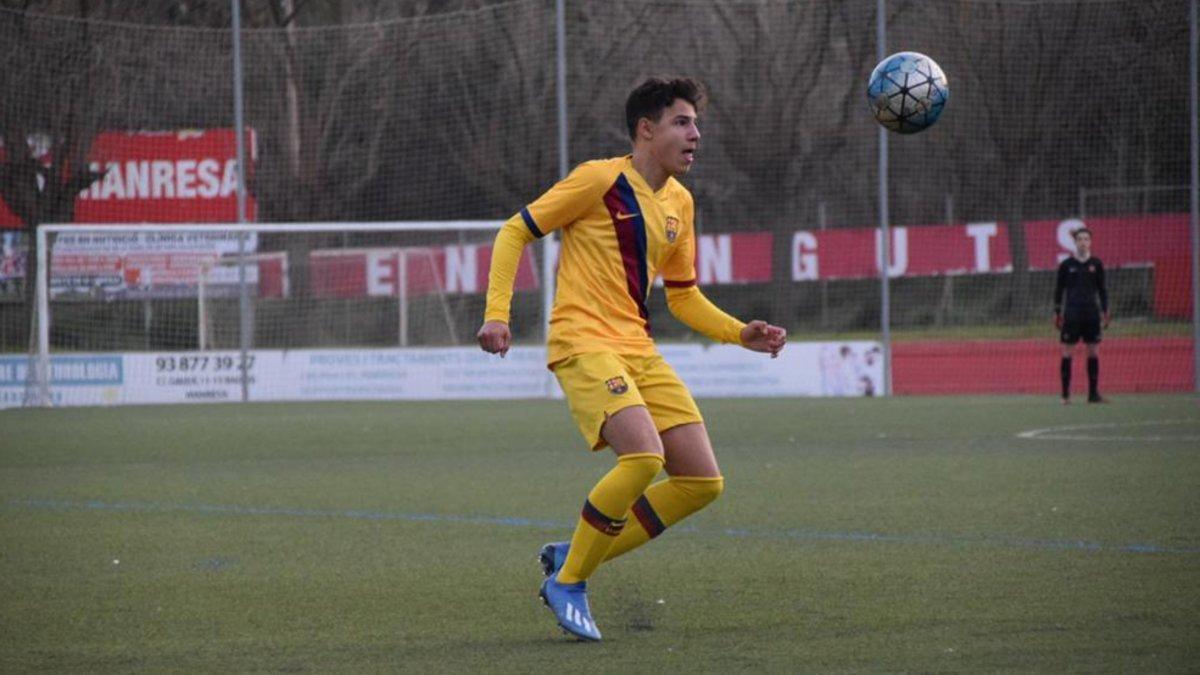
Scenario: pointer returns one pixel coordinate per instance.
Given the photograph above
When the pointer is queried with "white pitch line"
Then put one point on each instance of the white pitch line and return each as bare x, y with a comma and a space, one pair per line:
1055, 433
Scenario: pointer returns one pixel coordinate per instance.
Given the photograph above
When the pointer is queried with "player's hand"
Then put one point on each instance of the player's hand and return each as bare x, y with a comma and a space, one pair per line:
760, 336
1104, 319
494, 338
1058, 321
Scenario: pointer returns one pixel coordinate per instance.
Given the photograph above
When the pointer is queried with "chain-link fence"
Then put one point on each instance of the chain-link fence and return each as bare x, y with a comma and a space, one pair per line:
1059, 110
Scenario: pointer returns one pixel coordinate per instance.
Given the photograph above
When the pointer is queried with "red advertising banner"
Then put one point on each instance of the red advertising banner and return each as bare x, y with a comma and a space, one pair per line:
1159, 241
345, 273
408, 271
161, 177
735, 258
983, 248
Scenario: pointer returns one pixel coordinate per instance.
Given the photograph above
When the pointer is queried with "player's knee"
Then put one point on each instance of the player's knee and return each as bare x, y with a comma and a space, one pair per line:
707, 491
644, 465
713, 489
700, 491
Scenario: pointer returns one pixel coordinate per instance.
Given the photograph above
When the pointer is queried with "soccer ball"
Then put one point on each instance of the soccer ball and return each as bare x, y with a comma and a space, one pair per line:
907, 92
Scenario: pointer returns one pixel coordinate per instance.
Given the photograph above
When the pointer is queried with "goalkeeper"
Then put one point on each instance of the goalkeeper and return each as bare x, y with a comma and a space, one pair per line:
624, 222
1083, 314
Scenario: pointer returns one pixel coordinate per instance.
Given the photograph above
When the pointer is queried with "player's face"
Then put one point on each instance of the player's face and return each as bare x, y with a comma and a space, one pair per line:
1083, 243
675, 138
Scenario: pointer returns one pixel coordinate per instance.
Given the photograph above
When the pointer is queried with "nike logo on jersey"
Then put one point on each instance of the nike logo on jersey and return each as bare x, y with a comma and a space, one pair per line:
626, 216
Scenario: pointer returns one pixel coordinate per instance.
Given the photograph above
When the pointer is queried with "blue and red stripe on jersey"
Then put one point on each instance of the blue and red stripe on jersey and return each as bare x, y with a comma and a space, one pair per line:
630, 226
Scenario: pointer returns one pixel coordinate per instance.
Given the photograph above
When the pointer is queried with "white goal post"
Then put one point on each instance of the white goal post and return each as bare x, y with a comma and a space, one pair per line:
314, 285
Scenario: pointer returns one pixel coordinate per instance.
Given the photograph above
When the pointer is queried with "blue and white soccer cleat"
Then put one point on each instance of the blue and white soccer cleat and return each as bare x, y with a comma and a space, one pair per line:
552, 557
570, 606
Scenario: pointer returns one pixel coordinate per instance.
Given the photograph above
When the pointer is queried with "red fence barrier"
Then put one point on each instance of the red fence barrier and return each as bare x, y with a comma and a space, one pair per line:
1151, 364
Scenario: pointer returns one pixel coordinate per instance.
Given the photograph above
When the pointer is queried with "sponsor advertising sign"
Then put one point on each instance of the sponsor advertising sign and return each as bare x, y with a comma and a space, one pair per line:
451, 373
159, 177
140, 265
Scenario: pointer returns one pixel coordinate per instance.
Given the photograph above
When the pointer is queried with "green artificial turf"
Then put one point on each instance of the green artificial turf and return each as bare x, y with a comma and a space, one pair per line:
909, 534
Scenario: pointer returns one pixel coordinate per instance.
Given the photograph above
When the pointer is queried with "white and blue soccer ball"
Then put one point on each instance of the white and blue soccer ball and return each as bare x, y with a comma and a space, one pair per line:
907, 92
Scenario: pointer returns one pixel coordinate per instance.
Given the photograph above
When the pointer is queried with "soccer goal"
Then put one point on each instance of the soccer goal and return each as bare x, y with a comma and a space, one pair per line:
194, 303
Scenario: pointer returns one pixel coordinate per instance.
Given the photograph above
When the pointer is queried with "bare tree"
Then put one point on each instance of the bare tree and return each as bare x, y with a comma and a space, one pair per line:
1025, 66
787, 98
1140, 47
325, 99
496, 110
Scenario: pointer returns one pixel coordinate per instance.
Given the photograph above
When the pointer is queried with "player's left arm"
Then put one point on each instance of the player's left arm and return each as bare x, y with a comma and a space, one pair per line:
1102, 291
690, 306
697, 312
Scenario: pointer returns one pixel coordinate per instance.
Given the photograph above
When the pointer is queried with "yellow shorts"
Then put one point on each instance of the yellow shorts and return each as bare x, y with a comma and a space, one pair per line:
598, 384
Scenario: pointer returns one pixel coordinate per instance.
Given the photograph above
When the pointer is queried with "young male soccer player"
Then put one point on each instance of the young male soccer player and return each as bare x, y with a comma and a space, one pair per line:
624, 221
1081, 279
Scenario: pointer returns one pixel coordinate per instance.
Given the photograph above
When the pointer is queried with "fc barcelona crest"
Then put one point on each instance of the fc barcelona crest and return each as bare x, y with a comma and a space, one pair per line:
672, 229
616, 385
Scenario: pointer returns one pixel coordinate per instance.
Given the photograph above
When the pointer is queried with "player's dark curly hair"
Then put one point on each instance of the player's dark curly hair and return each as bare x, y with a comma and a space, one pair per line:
656, 94
1078, 231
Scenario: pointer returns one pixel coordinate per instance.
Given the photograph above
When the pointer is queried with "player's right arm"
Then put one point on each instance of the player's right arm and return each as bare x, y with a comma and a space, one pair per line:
558, 207
1102, 291
494, 336
1060, 286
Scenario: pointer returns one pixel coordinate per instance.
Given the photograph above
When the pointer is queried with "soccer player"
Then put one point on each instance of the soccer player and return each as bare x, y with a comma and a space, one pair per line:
624, 221
1081, 280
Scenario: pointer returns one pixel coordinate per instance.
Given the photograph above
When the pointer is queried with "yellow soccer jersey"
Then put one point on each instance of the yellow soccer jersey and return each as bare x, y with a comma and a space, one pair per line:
618, 235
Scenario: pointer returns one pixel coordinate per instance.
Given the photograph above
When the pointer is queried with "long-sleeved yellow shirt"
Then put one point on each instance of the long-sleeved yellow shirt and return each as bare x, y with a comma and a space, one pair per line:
618, 236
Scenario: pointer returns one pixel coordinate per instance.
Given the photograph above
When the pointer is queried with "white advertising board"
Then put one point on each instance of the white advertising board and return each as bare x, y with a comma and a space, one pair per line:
145, 265
802, 369
450, 373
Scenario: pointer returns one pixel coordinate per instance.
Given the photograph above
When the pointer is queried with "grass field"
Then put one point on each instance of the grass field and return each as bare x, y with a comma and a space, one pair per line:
913, 534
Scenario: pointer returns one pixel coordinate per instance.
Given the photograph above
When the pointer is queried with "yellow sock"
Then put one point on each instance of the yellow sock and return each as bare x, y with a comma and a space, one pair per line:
664, 504
598, 527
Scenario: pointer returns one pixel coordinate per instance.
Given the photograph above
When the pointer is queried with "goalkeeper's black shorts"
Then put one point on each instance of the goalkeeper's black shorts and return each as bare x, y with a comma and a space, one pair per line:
1080, 326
